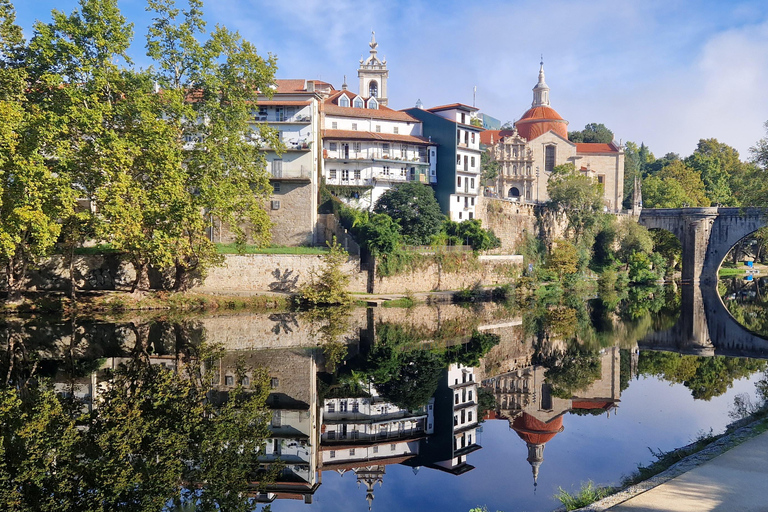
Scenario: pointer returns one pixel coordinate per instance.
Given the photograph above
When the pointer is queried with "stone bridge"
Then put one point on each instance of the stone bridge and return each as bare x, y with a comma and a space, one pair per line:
706, 328
706, 234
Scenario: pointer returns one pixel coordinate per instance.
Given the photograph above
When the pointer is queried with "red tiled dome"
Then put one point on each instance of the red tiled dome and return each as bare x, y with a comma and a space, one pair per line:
533, 431
539, 120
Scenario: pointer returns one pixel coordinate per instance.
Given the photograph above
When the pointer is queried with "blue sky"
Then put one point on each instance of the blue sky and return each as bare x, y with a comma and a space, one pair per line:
663, 72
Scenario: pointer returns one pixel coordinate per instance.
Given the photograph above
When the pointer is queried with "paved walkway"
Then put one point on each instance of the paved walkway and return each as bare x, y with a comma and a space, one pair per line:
736, 480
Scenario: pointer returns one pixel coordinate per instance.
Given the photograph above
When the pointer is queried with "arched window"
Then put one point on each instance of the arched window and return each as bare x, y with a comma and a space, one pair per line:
373, 89
358, 103
549, 158
514, 192
343, 101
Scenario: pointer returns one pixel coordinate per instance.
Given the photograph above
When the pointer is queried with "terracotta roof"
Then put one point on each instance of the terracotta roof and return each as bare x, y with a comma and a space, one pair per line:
358, 135
330, 107
595, 147
460, 106
534, 431
592, 404
539, 120
496, 135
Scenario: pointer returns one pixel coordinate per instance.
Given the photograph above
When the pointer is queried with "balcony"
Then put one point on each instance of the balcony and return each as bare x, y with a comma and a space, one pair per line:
291, 174
282, 119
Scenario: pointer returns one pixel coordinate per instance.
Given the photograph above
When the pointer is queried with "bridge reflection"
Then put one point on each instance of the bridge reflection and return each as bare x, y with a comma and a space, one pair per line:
705, 327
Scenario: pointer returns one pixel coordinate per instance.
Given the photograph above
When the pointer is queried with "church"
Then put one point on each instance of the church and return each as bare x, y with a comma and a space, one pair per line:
538, 143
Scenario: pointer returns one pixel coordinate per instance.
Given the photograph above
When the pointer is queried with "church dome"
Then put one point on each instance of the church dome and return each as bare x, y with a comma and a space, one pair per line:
534, 431
539, 120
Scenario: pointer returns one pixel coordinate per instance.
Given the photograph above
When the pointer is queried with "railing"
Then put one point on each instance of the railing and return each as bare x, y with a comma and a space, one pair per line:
428, 249
291, 173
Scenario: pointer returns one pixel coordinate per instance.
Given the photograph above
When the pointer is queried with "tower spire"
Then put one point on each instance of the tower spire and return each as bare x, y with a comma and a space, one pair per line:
541, 90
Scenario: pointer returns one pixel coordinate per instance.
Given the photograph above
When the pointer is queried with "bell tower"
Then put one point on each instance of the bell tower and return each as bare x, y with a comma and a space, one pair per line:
373, 74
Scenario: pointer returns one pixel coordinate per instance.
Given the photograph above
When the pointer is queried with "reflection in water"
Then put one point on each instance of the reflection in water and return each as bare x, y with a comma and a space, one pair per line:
405, 388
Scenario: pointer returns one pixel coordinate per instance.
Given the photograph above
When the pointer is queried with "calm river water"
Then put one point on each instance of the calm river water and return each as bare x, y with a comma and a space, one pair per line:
449, 407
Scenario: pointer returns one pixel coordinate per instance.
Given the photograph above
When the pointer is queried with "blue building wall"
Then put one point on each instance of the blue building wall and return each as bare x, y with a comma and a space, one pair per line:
443, 132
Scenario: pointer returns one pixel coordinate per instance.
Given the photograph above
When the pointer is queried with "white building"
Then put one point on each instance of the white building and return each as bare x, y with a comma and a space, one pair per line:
368, 147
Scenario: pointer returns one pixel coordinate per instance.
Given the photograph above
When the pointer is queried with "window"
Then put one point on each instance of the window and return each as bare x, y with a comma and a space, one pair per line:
358, 103
458, 135
354, 126
385, 171
466, 202
403, 150
403, 172
331, 435
332, 173
459, 215
332, 454
393, 447
378, 128
466, 138
463, 118
458, 182
373, 89
473, 201
375, 449
472, 183
469, 417
276, 187
455, 420
373, 104
345, 175
470, 395
396, 130
385, 148
458, 159
458, 200
246, 382
351, 451
356, 146
334, 125
229, 380
357, 174
473, 137
456, 399
472, 162
274, 382
549, 158
601, 178
343, 101
331, 407
333, 146
471, 215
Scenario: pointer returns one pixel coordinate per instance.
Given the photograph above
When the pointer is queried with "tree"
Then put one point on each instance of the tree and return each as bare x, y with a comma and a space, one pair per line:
674, 186
752, 184
328, 286
592, 132
578, 196
34, 192
414, 207
470, 232
490, 168
563, 259
378, 233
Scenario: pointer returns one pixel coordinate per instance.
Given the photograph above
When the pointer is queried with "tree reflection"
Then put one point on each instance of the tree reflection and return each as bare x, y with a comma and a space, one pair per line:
706, 377
152, 437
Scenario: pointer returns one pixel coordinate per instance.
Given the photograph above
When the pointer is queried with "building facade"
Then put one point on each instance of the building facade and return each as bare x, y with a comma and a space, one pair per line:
458, 157
538, 143
367, 147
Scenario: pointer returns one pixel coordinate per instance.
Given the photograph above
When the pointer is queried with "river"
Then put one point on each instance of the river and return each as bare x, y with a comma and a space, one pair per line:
445, 407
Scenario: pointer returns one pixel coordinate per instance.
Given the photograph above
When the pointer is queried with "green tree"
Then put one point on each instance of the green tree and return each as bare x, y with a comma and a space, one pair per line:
35, 193
414, 207
676, 185
470, 232
378, 233
328, 286
751, 186
490, 167
563, 259
576, 195
592, 132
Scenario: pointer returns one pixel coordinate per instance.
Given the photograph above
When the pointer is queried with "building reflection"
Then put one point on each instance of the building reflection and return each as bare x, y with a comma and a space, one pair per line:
525, 399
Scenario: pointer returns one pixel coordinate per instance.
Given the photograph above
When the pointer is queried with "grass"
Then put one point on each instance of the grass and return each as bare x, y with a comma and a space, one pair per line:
253, 249
589, 493
402, 302
725, 272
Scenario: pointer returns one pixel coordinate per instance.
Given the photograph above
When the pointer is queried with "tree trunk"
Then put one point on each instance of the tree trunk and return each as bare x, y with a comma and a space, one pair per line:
142, 277
72, 282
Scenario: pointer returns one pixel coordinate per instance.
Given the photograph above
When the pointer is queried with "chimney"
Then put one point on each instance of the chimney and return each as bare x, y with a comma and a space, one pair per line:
310, 86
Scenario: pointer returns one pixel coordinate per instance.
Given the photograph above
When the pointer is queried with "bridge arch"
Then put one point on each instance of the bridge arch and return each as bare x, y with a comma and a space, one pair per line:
706, 234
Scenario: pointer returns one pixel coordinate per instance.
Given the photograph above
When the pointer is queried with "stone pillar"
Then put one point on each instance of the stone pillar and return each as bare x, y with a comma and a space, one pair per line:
695, 240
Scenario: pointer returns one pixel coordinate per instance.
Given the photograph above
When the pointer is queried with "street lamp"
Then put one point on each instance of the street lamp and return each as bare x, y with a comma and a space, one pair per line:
537, 184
